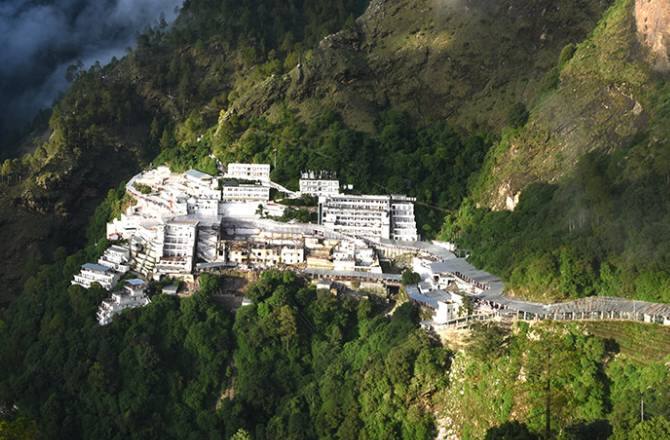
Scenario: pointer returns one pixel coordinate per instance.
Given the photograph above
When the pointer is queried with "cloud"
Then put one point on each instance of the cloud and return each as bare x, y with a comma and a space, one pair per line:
39, 39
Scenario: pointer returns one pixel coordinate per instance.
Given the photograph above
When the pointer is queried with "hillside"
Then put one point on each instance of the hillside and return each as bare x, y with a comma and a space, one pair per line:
302, 364
534, 134
468, 62
579, 190
465, 61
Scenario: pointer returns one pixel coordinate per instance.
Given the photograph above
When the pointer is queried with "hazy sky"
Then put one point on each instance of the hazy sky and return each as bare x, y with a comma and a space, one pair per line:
40, 38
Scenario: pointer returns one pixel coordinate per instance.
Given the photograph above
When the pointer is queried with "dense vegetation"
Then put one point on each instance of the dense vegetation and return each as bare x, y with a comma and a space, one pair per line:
593, 213
432, 163
300, 364
589, 394
296, 364
603, 231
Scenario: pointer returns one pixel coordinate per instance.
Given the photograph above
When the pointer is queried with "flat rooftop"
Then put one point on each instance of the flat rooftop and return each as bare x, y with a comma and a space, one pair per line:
96, 267
198, 174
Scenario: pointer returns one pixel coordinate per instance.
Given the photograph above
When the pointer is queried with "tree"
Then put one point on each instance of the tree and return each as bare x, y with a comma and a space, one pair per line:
241, 434
518, 115
657, 428
409, 277
513, 430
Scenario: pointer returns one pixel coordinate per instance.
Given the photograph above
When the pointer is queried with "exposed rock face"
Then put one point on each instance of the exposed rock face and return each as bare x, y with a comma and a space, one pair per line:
652, 19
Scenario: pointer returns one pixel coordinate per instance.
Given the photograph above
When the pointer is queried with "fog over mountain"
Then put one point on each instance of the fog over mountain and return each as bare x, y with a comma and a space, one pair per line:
41, 38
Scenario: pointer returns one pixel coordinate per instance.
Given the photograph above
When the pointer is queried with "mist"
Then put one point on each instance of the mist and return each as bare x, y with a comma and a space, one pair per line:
39, 39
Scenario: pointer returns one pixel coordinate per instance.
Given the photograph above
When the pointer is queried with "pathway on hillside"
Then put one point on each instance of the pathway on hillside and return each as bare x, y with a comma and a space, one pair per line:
488, 290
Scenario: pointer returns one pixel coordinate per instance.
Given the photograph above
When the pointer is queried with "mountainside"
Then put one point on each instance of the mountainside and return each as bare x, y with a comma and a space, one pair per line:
534, 135
585, 173
468, 61
607, 96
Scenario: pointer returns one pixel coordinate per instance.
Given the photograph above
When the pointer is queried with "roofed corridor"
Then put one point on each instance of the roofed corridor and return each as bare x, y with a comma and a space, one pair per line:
487, 291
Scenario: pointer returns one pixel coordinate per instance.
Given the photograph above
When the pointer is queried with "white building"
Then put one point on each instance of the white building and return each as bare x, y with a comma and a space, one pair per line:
373, 216
96, 273
318, 184
199, 178
117, 258
209, 246
403, 224
249, 171
442, 303
292, 255
239, 192
179, 246
133, 295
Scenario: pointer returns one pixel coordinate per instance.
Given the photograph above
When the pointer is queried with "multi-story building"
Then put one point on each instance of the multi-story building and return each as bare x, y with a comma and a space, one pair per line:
387, 217
238, 253
318, 183
403, 223
248, 171
241, 192
263, 255
292, 255
117, 258
178, 245
96, 273
133, 295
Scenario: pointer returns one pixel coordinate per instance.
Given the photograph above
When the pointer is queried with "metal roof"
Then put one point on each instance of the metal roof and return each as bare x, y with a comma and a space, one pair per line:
198, 174
354, 274
135, 282
430, 299
95, 267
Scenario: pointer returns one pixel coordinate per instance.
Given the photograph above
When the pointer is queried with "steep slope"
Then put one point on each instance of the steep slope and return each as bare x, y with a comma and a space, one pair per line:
587, 176
603, 100
467, 61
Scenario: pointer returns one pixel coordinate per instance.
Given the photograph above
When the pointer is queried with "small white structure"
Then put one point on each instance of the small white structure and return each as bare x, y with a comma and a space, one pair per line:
133, 295
249, 171
324, 285
318, 183
96, 273
440, 302
292, 255
171, 289
199, 178
116, 257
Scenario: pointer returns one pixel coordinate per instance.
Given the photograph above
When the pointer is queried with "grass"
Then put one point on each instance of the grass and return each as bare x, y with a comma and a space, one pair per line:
643, 343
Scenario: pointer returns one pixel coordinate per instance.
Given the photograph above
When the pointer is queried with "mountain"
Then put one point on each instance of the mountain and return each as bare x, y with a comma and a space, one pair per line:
45, 42
468, 62
585, 173
534, 135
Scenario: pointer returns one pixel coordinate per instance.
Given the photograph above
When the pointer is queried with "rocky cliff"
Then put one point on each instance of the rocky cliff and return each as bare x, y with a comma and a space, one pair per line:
606, 99
652, 20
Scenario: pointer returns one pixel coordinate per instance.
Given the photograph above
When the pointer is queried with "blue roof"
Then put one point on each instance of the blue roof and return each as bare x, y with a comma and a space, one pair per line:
135, 282
95, 267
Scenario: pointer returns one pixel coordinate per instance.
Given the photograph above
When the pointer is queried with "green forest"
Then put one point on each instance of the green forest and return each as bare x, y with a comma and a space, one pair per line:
602, 231
302, 364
